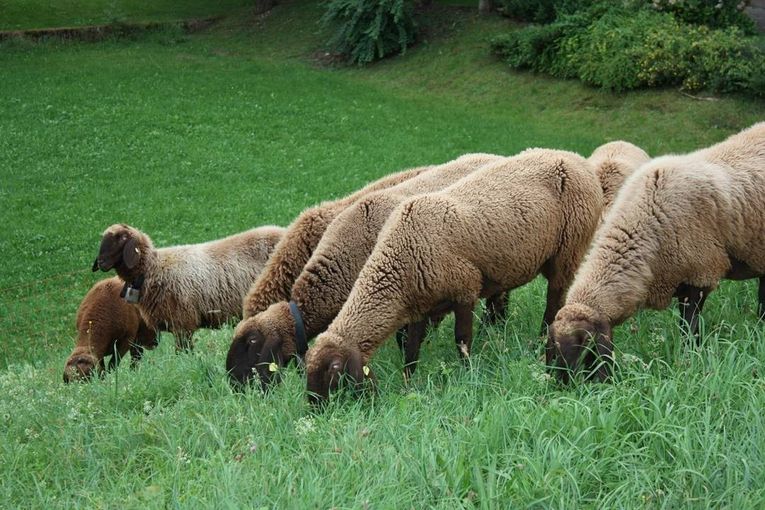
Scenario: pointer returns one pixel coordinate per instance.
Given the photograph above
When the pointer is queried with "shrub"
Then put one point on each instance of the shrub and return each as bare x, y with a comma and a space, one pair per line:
537, 46
366, 30
622, 50
546, 11
713, 13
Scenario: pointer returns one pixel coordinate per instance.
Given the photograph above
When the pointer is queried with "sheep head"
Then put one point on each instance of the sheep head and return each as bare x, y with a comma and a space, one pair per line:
81, 366
119, 249
328, 364
262, 344
578, 337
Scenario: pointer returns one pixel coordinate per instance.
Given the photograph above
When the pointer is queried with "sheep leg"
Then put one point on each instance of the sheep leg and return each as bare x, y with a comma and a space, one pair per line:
415, 333
116, 354
114, 360
496, 308
183, 341
463, 329
690, 299
401, 338
554, 298
761, 298
136, 353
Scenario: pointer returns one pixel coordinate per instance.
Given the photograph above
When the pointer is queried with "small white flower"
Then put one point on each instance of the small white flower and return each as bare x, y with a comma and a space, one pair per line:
304, 426
182, 456
631, 359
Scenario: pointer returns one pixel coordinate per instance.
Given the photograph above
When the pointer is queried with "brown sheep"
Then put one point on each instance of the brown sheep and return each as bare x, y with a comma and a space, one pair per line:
106, 325
679, 226
183, 288
277, 335
291, 254
492, 231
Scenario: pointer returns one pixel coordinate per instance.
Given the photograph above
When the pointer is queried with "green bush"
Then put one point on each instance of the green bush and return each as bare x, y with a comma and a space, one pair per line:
366, 30
537, 46
620, 51
546, 11
623, 50
713, 13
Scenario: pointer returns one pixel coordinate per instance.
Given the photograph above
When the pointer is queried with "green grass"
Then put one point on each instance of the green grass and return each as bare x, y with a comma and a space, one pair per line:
27, 14
193, 138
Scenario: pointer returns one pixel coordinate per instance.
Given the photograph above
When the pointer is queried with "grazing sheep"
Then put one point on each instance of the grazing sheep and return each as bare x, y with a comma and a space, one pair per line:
613, 163
679, 225
106, 325
273, 336
297, 245
491, 231
183, 288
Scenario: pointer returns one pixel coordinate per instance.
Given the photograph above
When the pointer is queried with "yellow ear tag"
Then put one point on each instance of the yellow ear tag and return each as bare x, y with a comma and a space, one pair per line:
366, 370
273, 367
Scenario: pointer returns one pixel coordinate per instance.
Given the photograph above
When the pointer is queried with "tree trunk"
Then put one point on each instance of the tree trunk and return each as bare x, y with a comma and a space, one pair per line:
484, 6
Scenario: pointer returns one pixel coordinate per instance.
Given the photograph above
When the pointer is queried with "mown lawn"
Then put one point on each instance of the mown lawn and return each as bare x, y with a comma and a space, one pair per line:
30, 14
192, 138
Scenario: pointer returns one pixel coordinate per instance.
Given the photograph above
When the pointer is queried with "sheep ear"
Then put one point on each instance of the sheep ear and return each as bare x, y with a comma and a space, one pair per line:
270, 354
605, 348
95, 265
131, 254
354, 368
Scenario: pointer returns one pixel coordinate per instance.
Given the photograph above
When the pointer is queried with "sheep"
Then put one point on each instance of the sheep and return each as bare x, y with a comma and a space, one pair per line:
273, 336
183, 288
678, 226
106, 325
491, 231
297, 245
613, 162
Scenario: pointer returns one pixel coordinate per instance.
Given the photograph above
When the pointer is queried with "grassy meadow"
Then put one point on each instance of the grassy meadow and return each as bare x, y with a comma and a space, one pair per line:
194, 137
31, 14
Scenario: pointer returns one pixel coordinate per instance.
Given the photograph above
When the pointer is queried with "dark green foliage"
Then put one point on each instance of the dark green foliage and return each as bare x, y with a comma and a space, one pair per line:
537, 46
548, 10
625, 49
713, 13
367, 30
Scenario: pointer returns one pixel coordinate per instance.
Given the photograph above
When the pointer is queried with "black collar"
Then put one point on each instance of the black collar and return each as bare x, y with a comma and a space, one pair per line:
301, 342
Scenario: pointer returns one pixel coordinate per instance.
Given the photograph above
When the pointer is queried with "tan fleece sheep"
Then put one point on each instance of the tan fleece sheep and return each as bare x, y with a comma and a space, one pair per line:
297, 245
493, 230
183, 288
279, 334
614, 162
106, 325
679, 225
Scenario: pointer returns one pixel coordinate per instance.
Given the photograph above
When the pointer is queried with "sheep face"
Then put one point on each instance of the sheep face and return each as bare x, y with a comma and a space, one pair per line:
329, 363
579, 339
255, 350
119, 246
81, 367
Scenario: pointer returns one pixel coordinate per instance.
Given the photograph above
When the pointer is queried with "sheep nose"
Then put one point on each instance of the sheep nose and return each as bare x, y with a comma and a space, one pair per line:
78, 368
